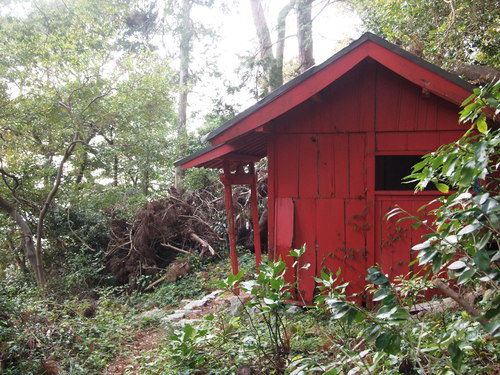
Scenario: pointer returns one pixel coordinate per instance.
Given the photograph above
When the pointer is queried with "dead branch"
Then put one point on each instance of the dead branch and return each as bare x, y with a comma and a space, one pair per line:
458, 299
176, 248
204, 244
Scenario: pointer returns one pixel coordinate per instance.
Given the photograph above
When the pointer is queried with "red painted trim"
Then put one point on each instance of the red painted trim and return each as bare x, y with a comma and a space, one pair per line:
417, 74
295, 95
255, 216
409, 70
271, 188
228, 199
211, 155
408, 193
237, 179
402, 152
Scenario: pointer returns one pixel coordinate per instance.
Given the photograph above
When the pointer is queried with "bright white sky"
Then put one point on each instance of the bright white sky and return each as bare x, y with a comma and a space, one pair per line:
334, 27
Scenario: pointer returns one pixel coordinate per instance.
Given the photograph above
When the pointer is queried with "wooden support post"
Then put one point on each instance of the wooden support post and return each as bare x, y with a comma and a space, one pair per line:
255, 215
228, 198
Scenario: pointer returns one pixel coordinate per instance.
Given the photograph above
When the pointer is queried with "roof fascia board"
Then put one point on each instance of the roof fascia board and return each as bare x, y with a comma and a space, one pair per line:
316, 81
205, 155
406, 64
419, 75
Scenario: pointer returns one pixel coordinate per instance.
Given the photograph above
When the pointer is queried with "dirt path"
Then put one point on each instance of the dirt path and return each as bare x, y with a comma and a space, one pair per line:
143, 341
150, 338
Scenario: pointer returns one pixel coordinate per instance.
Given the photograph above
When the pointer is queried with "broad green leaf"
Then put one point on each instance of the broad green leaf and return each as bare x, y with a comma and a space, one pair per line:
482, 260
381, 294
443, 188
466, 276
481, 124
457, 265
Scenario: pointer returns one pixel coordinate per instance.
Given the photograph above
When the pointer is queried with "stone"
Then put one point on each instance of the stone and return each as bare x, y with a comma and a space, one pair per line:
183, 322
293, 309
173, 317
194, 305
153, 314
187, 312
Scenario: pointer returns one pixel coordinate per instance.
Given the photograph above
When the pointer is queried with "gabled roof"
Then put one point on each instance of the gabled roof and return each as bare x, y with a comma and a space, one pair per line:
409, 66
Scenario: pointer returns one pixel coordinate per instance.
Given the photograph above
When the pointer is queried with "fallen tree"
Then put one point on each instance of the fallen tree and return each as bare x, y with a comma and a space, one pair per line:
160, 231
194, 223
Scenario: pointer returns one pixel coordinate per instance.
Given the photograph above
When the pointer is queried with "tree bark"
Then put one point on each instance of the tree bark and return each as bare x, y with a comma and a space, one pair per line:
304, 34
274, 77
185, 47
280, 46
34, 257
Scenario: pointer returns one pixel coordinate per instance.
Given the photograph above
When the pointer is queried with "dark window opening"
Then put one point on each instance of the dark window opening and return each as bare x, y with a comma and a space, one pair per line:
390, 170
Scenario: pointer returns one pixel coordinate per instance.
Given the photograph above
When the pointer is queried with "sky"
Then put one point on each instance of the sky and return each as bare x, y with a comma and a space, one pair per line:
334, 27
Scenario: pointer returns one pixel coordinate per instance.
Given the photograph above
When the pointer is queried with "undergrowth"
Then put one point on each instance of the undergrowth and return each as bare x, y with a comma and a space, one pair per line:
42, 335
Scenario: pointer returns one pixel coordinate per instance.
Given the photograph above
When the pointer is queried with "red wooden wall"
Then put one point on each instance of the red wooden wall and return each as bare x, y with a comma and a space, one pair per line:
322, 173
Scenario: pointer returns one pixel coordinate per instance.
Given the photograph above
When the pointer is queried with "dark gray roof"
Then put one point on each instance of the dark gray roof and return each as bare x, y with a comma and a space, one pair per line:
296, 81
194, 155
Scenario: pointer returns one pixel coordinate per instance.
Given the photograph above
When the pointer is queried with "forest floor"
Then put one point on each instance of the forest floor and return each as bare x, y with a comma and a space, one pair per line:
142, 342
149, 339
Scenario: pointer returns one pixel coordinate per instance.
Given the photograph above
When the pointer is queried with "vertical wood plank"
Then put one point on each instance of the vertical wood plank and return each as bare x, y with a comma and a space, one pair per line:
330, 234
356, 252
287, 158
447, 116
357, 167
308, 166
387, 100
284, 233
271, 196
255, 216
305, 233
228, 199
408, 103
341, 160
326, 166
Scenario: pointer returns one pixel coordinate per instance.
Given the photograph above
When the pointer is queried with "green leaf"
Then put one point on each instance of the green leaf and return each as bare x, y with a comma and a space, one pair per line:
481, 124
468, 229
457, 355
457, 265
443, 188
333, 371
386, 312
381, 294
382, 341
482, 260
375, 276
466, 276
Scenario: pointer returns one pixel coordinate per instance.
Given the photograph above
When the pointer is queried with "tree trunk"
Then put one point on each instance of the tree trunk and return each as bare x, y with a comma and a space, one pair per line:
280, 46
19, 254
185, 47
115, 170
274, 77
81, 170
32, 253
304, 34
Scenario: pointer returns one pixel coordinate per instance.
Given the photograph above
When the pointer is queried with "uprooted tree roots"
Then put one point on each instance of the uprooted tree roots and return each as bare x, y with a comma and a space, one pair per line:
162, 230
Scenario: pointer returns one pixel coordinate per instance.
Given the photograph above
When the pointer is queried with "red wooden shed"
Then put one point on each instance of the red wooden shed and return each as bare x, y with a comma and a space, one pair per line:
338, 139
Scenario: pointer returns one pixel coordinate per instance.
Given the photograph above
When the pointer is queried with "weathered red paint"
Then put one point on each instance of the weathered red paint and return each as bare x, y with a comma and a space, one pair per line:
255, 215
323, 137
228, 199
324, 160
241, 178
